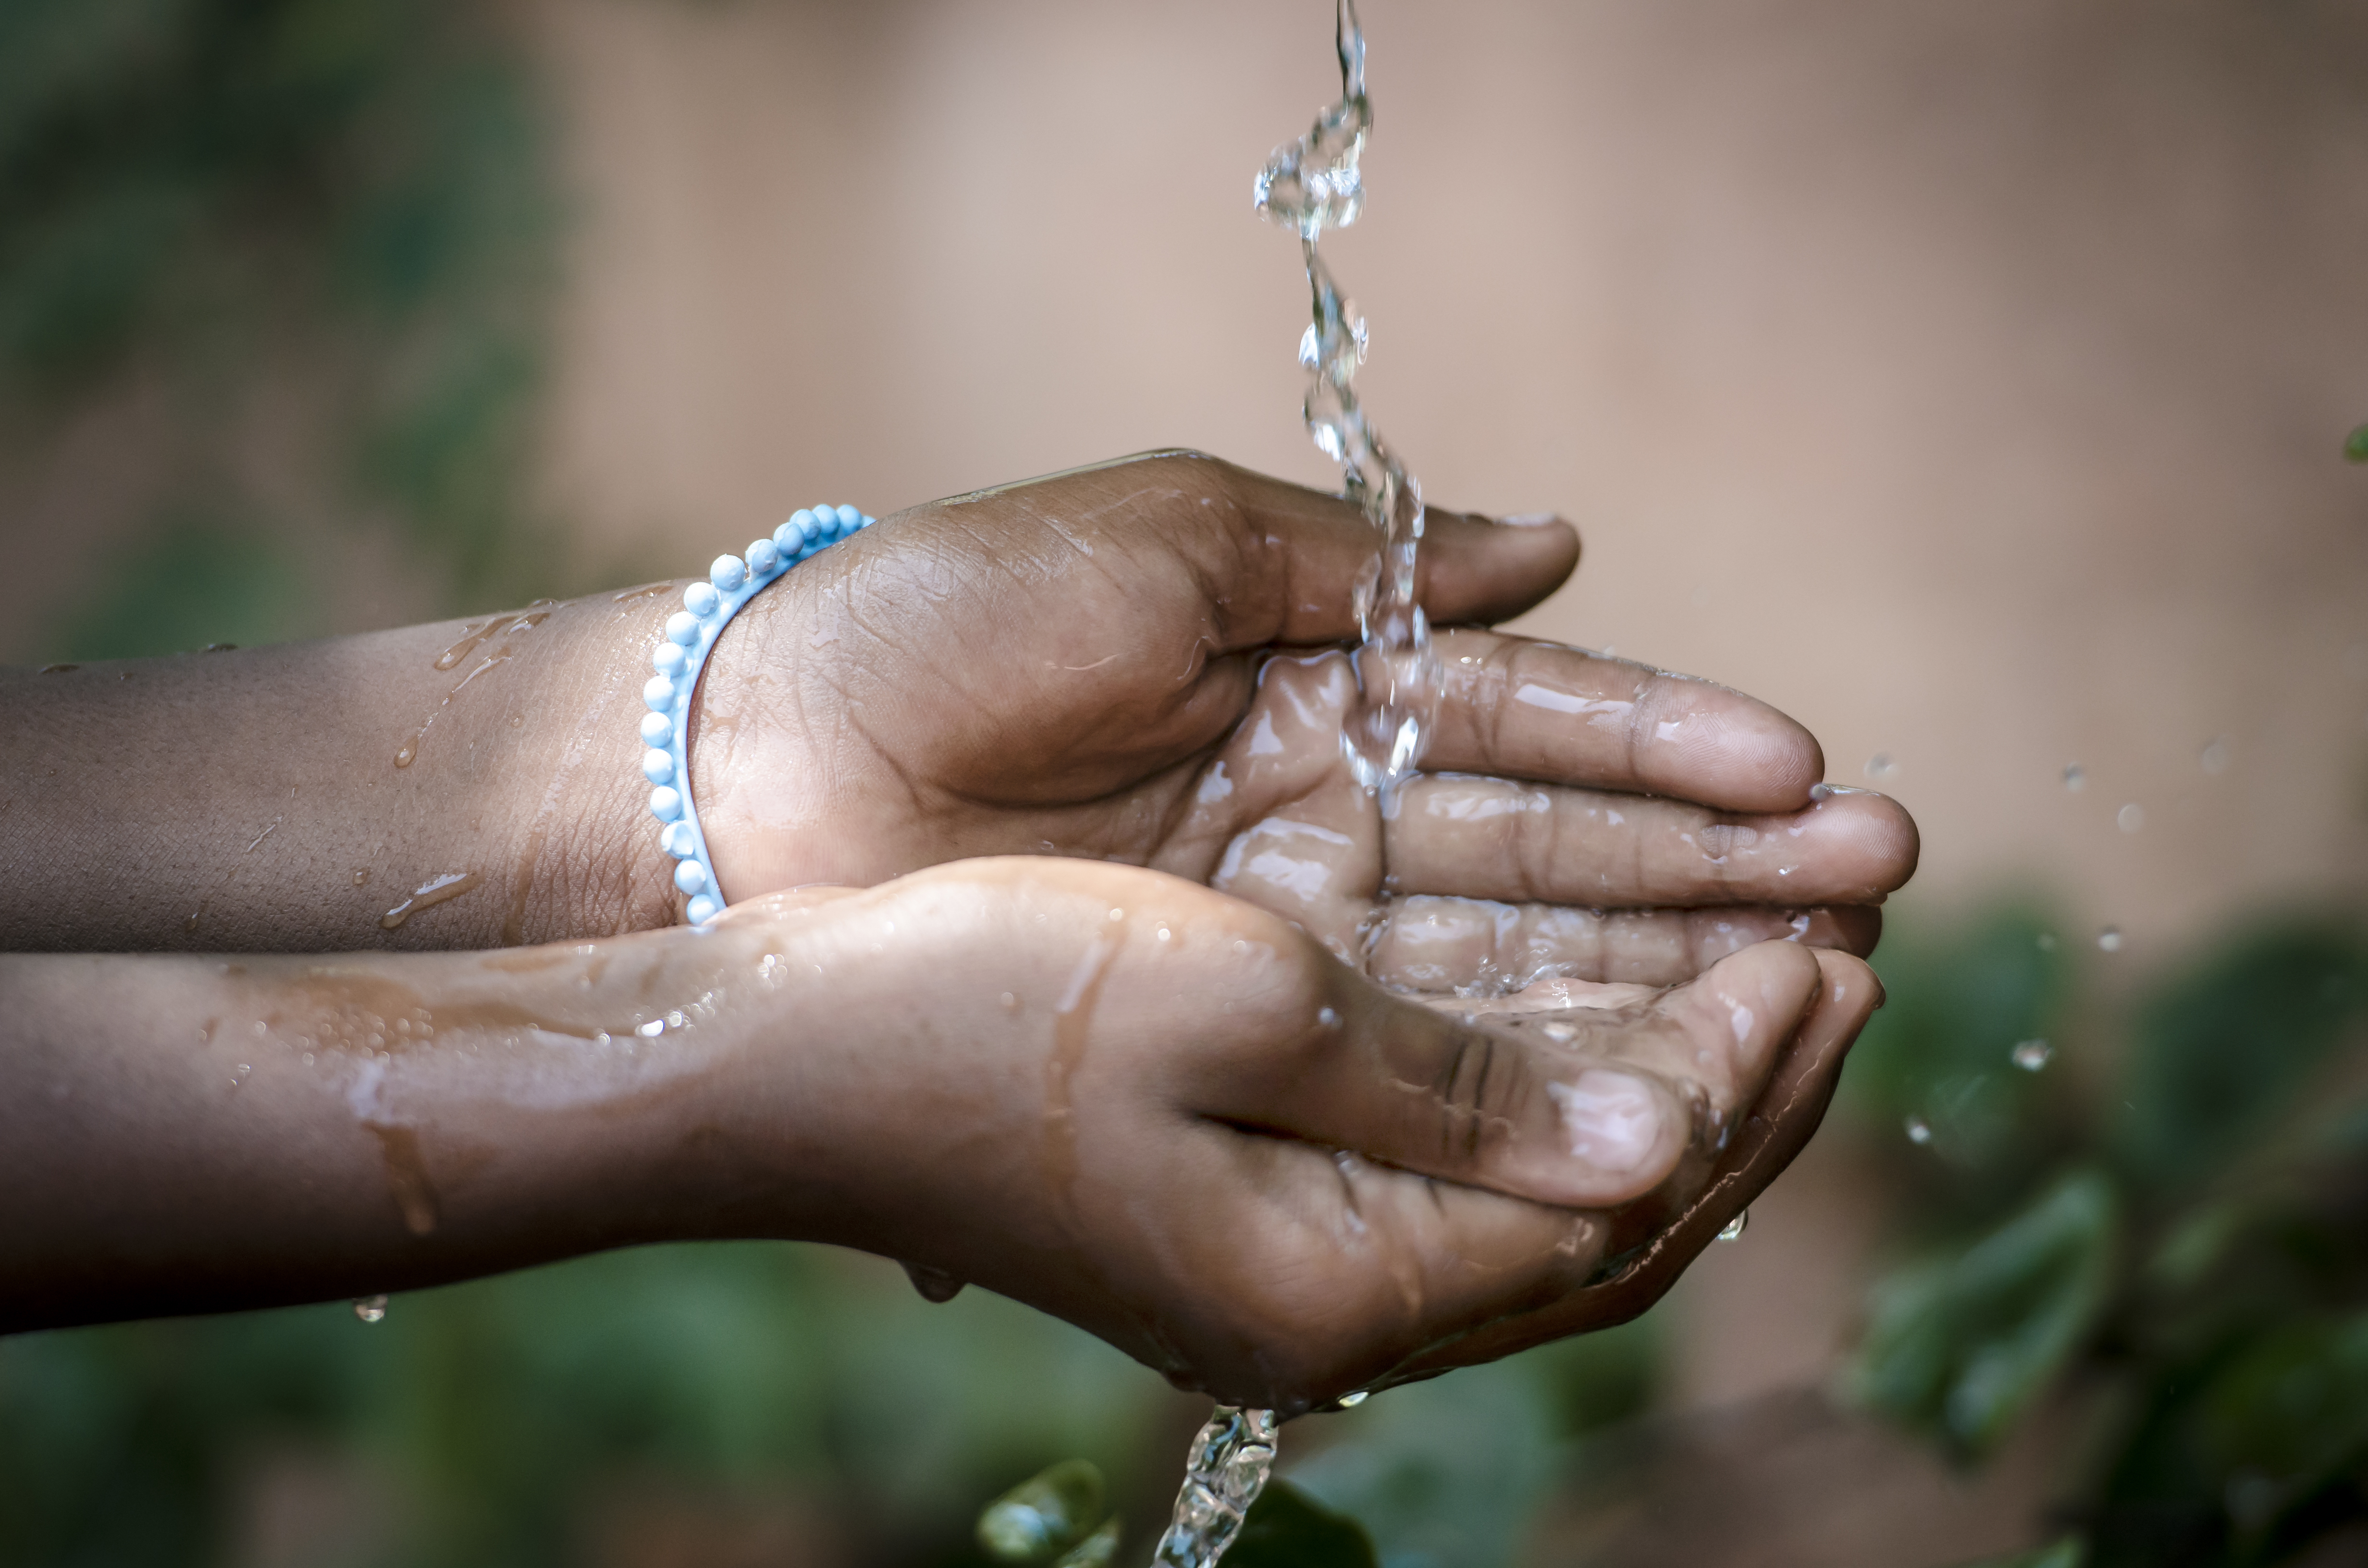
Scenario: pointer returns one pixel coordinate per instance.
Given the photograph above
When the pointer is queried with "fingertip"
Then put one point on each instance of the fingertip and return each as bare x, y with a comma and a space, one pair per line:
1849, 987
1719, 747
1481, 571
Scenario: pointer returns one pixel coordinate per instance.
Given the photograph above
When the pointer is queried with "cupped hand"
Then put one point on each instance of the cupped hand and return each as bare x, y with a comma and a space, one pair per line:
1140, 662
1174, 1119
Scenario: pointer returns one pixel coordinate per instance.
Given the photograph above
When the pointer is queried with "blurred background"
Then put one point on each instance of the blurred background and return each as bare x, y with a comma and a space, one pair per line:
1971, 381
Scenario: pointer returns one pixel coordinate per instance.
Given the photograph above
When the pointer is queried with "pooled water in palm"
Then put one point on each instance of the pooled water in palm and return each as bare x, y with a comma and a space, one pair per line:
1223, 1476
1310, 185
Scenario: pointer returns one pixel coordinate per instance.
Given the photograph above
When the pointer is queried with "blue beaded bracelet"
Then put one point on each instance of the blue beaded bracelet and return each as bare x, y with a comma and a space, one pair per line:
691, 632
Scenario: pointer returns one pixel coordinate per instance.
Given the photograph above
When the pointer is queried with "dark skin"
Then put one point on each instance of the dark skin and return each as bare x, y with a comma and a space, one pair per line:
1174, 1082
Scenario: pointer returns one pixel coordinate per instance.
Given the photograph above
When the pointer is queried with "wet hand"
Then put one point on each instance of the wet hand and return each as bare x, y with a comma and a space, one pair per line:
1174, 1119
1130, 663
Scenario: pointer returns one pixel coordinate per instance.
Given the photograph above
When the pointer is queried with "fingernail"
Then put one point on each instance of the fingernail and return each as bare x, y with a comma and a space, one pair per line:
1614, 1120
1529, 519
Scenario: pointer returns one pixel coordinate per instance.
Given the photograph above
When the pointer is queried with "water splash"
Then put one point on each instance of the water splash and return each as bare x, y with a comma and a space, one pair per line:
1227, 1469
1309, 185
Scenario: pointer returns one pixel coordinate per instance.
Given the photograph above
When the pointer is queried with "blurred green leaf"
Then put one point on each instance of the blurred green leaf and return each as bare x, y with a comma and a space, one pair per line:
1287, 1529
1962, 1346
1044, 1516
1941, 1050
197, 580
2285, 1417
2069, 1552
2219, 1053
1097, 1551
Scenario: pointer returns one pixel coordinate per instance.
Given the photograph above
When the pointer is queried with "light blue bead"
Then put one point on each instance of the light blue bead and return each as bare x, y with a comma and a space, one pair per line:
701, 599
805, 521
657, 766
850, 520
763, 558
665, 802
677, 839
728, 572
682, 626
670, 660
704, 909
658, 692
690, 876
656, 727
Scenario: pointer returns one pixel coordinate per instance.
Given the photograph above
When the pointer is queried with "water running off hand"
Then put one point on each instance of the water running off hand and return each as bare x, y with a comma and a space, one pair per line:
1310, 185
1223, 1476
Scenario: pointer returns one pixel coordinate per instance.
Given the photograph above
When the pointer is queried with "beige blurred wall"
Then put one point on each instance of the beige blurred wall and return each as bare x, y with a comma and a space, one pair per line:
1970, 381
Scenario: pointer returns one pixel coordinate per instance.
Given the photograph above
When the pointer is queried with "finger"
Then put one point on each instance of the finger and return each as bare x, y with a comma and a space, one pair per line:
1590, 1109
1354, 1267
1445, 944
1482, 837
1778, 1126
1522, 708
1297, 554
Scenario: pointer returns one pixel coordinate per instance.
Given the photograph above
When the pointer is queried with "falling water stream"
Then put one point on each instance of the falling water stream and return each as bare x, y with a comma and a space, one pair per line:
1309, 185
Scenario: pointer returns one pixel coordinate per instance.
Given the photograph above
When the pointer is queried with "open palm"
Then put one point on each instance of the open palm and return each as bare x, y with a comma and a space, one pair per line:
1141, 662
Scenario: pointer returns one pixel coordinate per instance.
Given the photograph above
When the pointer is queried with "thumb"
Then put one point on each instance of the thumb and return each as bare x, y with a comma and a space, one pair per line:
1473, 571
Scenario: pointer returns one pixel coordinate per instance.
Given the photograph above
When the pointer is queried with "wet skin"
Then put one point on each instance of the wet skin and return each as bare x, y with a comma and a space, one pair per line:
1162, 1113
1230, 1152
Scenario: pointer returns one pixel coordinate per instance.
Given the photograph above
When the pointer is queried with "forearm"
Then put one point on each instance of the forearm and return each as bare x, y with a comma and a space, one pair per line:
462, 785
182, 1134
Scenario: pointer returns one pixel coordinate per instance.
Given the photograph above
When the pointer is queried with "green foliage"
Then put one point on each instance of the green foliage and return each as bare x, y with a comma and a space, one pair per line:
1964, 1343
2355, 445
2069, 1552
198, 581
341, 199
2191, 1234
494, 1412
1940, 1053
1287, 1529
1044, 1516
2220, 1054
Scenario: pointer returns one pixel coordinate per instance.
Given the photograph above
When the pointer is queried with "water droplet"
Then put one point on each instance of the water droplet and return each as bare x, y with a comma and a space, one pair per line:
428, 894
651, 1029
2130, 818
1165, 932
1880, 766
2214, 756
1920, 1131
1010, 1003
934, 1285
361, 875
1350, 1401
1732, 1230
1560, 1033
371, 1309
2076, 778
2109, 940
1327, 1017
2030, 1055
